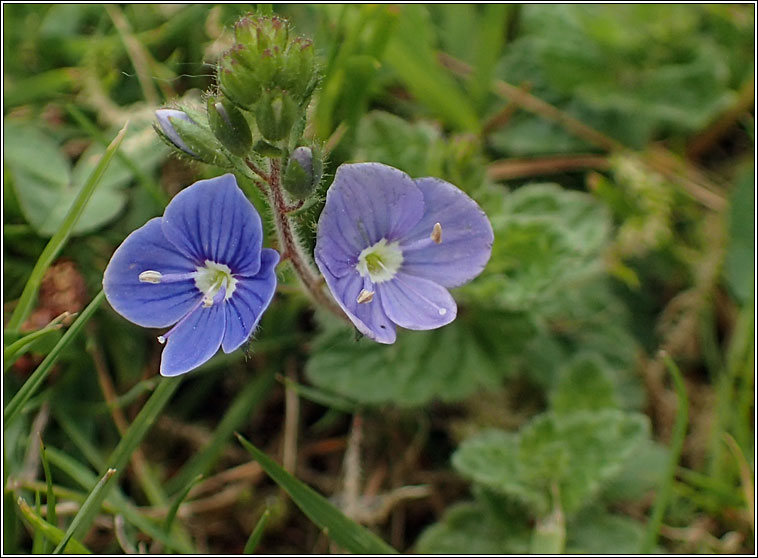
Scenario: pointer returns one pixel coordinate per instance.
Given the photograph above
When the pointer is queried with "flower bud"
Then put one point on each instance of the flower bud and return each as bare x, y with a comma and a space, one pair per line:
303, 172
229, 125
182, 132
275, 115
236, 82
265, 58
167, 131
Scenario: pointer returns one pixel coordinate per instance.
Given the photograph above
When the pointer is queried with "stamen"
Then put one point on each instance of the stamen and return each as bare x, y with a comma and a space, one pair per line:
365, 296
155, 277
436, 235
150, 276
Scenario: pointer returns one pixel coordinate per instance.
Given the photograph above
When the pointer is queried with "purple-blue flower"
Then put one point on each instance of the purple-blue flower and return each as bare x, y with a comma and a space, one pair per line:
390, 247
200, 268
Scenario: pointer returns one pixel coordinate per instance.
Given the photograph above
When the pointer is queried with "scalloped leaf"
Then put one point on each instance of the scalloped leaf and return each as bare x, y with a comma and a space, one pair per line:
476, 351
577, 453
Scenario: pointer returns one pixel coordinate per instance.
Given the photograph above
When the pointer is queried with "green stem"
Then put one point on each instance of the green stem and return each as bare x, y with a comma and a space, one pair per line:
291, 247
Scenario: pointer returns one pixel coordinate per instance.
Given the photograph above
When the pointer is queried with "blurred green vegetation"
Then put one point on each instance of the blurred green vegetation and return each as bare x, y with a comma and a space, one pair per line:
612, 148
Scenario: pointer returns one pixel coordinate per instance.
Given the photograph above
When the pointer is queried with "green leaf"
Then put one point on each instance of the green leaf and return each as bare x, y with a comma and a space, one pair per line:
34, 381
548, 241
411, 55
386, 138
59, 239
86, 514
595, 531
45, 187
257, 534
578, 453
739, 266
240, 410
476, 351
116, 501
51, 532
584, 385
335, 524
171, 515
487, 525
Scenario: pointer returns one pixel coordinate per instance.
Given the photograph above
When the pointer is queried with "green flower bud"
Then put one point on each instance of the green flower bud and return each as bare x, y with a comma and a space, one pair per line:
236, 82
303, 173
182, 132
275, 114
229, 125
264, 57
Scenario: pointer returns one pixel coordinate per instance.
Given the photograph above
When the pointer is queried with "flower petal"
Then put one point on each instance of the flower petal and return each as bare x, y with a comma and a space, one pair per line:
251, 297
416, 303
149, 304
369, 318
213, 220
194, 341
368, 202
466, 236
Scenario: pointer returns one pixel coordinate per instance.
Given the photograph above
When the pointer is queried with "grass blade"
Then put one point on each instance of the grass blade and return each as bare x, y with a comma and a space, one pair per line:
239, 412
86, 514
53, 248
50, 500
34, 381
342, 530
257, 534
51, 532
21, 345
677, 443
171, 515
145, 419
116, 501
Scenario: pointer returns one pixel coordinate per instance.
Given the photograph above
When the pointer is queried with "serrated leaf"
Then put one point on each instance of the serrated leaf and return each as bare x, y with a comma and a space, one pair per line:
578, 453
596, 531
336, 525
584, 384
478, 350
547, 240
487, 525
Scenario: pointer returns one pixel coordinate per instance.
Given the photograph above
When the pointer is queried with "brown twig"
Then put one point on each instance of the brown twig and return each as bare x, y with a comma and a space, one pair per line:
291, 420
555, 164
504, 115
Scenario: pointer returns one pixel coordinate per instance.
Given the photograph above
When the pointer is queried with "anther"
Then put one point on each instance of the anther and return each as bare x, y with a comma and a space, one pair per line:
161, 339
150, 276
436, 235
365, 296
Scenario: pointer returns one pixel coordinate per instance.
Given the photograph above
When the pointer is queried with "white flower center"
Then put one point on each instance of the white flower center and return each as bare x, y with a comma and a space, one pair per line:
211, 278
381, 261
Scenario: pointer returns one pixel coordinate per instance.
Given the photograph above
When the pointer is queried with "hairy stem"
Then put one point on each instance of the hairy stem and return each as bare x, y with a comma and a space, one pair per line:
291, 247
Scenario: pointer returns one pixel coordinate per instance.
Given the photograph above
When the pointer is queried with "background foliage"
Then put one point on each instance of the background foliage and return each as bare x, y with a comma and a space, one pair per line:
612, 148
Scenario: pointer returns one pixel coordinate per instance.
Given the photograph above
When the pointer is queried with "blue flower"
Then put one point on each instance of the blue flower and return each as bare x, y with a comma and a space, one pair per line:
389, 247
200, 268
